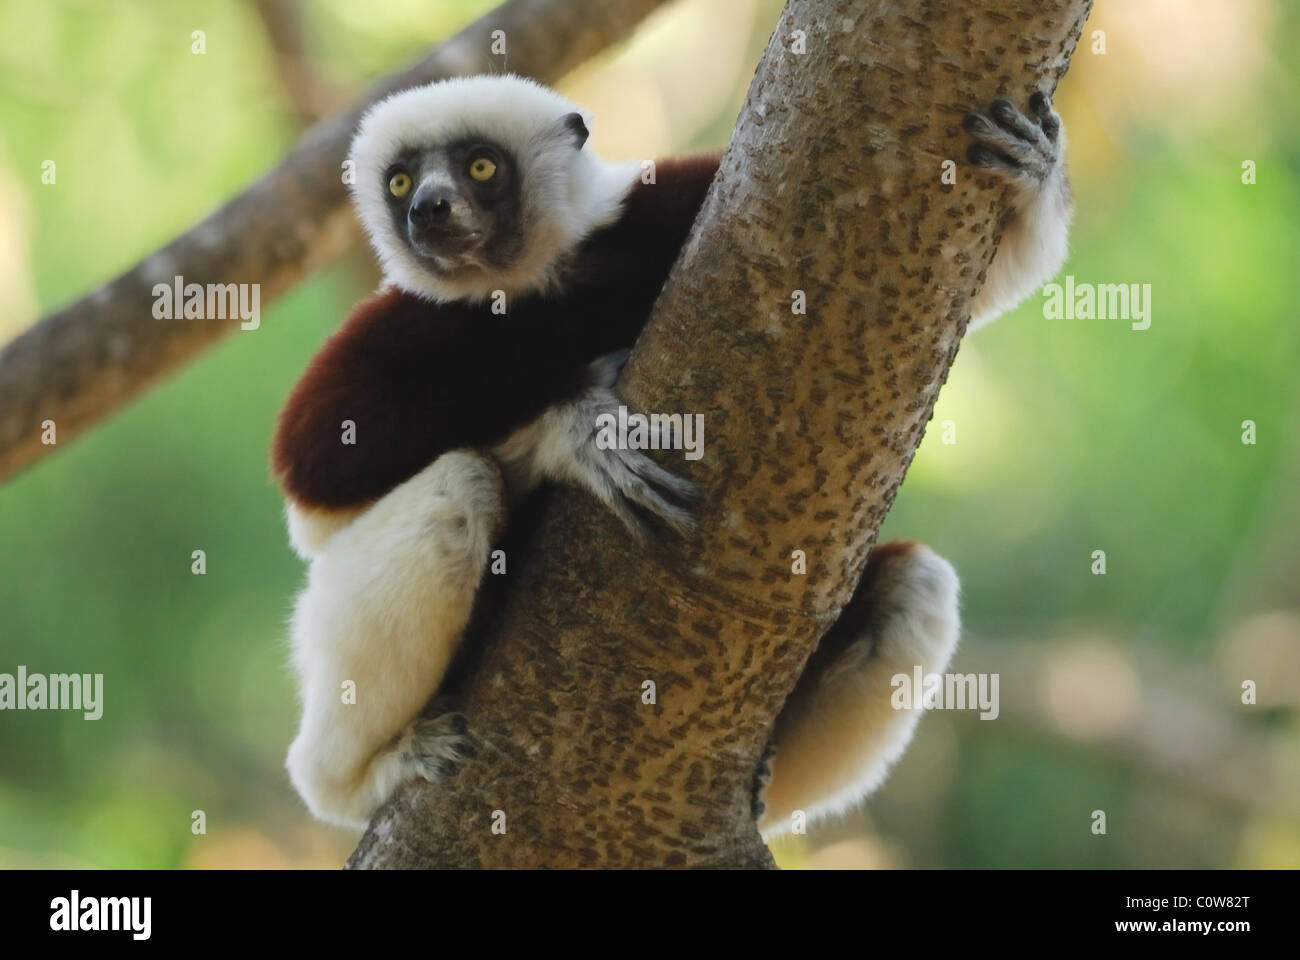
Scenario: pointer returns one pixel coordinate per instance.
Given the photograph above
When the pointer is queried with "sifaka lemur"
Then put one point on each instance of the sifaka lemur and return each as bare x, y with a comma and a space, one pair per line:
483, 190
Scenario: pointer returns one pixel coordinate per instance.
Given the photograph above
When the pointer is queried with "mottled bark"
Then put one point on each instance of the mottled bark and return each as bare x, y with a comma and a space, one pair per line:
831, 186
84, 361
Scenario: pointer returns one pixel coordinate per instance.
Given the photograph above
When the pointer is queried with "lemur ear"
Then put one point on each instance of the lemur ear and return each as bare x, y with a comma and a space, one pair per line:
574, 125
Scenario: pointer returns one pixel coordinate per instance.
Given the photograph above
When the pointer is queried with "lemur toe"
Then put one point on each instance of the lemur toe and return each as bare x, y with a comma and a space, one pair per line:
437, 745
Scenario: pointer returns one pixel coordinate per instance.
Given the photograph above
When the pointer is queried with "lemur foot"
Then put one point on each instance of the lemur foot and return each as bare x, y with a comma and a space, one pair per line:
627, 481
435, 746
1013, 144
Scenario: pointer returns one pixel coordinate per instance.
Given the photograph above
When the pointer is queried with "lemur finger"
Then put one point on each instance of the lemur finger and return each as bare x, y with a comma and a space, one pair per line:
1004, 150
670, 483
681, 521
1041, 105
621, 507
599, 478
667, 481
643, 493
659, 484
981, 156
1006, 116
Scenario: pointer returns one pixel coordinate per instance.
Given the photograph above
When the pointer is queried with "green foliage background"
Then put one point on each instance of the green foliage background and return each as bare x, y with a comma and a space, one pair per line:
1071, 436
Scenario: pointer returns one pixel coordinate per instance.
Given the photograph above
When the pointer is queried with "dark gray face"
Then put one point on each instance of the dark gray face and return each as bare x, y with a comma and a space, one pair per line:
457, 206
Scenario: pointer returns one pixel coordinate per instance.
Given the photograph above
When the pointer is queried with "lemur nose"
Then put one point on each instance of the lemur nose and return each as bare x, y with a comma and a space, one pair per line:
430, 207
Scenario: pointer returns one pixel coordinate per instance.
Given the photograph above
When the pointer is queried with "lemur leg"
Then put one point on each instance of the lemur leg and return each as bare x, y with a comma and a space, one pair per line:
386, 601
1029, 152
839, 733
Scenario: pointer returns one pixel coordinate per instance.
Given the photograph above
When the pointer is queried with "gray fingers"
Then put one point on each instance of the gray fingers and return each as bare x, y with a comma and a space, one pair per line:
1012, 143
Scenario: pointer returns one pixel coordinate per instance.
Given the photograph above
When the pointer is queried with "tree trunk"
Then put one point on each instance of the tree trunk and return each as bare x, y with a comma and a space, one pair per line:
82, 362
831, 186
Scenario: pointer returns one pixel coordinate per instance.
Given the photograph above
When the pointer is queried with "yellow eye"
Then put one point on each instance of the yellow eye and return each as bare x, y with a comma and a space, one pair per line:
481, 169
400, 184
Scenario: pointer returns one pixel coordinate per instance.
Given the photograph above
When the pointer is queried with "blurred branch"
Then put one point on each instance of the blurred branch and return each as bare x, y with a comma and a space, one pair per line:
310, 95
82, 362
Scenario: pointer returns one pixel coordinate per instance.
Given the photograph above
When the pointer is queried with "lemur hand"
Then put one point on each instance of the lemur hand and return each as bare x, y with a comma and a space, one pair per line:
1028, 152
1008, 142
628, 482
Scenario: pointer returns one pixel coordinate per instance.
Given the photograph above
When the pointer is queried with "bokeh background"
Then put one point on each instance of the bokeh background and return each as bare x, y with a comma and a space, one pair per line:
1119, 692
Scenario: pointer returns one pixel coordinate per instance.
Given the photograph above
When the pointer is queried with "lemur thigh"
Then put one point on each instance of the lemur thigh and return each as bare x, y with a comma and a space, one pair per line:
386, 600
1029, 153
838, 734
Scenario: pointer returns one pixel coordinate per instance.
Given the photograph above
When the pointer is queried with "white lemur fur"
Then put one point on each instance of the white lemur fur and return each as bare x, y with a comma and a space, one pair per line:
391, 584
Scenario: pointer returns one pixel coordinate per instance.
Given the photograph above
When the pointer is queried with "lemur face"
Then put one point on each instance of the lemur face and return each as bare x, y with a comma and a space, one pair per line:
479, 184
457, 206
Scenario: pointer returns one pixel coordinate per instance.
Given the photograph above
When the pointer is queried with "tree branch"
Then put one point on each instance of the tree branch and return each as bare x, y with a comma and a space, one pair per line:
309, 94
82, 362
831, 185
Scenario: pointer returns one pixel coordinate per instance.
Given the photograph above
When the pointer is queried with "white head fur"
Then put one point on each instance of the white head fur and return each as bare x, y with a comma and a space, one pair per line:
566, 193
